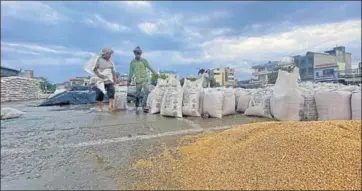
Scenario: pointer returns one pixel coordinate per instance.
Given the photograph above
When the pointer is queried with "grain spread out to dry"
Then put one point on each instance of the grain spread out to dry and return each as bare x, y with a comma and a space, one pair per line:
270, 155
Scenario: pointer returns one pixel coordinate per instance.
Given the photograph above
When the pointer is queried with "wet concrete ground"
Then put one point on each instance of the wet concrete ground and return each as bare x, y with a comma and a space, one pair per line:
76, 147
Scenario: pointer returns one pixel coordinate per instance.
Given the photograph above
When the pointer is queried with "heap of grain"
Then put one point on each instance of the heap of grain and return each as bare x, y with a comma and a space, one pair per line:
270, 155
19, 88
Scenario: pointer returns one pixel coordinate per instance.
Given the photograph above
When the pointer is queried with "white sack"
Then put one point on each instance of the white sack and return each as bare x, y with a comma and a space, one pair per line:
287, 101
213, 102
356, 106
154, 99
228, 107
310, 108
9, 113
333, 105
89, 67
192, 99
120, 97
172, 99
242, 98
259, 104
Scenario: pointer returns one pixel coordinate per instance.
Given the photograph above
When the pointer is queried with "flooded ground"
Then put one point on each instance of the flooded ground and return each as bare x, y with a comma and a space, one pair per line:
75, 147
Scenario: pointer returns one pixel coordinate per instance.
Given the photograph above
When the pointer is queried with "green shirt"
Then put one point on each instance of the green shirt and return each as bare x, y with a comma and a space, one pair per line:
139, 68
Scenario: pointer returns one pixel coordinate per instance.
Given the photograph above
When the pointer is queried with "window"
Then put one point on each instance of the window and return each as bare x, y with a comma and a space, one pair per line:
310, 61
328, 72
310, 71
317, 74
302, 72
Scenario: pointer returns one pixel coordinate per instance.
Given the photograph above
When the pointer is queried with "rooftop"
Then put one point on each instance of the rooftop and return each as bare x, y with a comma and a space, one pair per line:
7, 68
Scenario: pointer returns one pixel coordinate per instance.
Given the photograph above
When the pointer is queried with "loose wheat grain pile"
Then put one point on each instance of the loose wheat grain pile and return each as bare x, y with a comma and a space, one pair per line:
269, 155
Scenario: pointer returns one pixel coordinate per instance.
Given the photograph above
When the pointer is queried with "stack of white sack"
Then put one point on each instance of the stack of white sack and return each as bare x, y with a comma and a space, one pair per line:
193, 97
242, 98
219, 102
90, 66
287, 101
172, 99
310, 107
120, 97
356, 105
338, 102
154, 99
259, 104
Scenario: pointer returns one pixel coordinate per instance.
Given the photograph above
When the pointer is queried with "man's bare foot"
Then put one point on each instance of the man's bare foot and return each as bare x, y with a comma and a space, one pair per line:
110, 109
100, 109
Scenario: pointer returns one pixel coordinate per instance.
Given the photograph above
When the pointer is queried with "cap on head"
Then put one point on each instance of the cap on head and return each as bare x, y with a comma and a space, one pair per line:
137, 50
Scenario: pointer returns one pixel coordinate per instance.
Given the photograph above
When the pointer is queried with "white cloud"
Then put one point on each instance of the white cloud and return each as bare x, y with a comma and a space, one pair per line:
137, 4
97, 20
30, 11
275, 46
207, 17
148, 28
15, 54
241, 51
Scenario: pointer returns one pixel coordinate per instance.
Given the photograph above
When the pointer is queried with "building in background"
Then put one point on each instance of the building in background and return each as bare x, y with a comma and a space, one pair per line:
325, 66
63, 85
80, 81
7, 72
219, 75
27, 73
224, 76
262, 71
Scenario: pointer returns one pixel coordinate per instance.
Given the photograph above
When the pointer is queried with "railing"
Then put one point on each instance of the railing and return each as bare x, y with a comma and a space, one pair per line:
351, 73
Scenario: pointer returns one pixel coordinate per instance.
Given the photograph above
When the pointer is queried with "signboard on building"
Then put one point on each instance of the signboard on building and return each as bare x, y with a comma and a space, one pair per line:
325, 65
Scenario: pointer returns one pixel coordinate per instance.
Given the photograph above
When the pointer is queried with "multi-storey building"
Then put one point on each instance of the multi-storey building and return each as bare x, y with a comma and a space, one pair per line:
316, 66
230, 77
224, 76
262, 71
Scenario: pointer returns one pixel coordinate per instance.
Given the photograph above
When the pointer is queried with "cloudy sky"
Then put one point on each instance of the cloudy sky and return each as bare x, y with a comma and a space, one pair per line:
55, 39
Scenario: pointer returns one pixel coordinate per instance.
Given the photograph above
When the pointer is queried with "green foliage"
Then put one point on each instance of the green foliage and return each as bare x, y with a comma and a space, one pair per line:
213, 83
154, 78
163, 76
46, 86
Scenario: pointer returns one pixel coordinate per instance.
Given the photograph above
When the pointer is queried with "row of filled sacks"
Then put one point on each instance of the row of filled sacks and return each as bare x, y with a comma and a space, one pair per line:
289, 101
170, 99
301, 105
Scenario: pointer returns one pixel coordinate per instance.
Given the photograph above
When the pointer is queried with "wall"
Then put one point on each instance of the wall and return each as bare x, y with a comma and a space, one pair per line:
19, 88
348, 61
326, 77
322, 59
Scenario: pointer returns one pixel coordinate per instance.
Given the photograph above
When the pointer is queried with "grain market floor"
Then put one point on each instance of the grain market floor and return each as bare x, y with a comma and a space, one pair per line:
75, 147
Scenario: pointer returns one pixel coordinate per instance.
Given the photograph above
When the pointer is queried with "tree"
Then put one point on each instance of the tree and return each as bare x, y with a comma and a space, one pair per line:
213, 83
154, 78
46, 86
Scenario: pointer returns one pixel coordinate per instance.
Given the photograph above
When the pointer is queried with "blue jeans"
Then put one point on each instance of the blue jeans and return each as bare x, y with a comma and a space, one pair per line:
142, 94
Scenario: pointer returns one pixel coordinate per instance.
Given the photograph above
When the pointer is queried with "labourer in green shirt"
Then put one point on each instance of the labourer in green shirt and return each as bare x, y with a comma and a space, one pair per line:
139, 69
